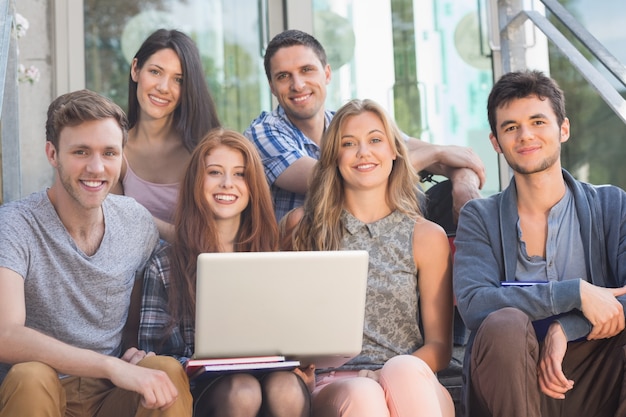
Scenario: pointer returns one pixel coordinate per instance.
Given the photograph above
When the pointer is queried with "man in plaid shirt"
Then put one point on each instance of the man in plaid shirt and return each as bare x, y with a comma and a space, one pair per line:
288, 138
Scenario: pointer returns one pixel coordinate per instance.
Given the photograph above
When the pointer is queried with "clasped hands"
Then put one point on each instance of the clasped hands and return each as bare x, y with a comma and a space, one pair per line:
605, 313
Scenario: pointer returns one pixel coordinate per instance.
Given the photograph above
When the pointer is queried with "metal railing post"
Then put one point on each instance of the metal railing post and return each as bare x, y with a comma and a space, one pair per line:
512, 37
509, 48
512, 17
9, 105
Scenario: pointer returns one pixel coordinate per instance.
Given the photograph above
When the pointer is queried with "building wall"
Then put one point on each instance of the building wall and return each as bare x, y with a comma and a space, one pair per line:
35, 48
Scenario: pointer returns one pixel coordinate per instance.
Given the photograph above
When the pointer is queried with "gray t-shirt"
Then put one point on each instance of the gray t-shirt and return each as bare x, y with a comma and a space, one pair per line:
78, 299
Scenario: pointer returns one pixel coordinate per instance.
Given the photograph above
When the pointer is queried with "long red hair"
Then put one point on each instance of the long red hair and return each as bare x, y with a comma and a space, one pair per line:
194, 221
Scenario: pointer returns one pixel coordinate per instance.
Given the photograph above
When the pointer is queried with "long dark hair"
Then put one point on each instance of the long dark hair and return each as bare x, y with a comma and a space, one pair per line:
195, 115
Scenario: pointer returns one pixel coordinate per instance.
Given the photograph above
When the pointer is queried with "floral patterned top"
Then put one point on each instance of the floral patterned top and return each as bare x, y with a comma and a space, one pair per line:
391, 306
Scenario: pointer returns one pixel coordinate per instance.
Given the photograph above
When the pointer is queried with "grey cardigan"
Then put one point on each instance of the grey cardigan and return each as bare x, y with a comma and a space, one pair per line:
486, 253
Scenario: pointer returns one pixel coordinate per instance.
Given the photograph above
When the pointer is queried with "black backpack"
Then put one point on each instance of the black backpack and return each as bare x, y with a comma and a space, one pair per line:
437, 205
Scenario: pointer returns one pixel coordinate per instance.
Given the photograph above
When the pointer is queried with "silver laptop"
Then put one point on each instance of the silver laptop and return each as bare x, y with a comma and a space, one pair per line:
305, 306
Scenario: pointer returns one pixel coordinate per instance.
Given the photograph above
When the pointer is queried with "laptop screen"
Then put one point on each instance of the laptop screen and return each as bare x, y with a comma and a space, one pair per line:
306, 306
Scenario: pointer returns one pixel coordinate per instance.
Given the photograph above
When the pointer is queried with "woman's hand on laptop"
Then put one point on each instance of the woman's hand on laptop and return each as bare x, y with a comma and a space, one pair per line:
307, 374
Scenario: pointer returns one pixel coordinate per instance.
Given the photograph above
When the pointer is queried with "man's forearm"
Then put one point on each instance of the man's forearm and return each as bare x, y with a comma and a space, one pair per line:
445, 160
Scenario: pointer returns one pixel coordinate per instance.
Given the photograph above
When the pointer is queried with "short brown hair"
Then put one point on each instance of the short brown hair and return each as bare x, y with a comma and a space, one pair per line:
81, 106
523, 84
290, 38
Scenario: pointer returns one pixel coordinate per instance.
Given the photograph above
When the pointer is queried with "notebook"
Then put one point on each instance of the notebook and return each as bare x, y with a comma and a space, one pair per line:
208, 367
304, 306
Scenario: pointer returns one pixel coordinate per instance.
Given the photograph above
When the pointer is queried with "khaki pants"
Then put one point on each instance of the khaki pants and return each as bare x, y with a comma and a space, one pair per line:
503, 371
33, 389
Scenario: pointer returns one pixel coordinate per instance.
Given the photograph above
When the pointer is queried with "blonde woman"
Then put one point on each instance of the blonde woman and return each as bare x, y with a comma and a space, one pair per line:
364, 196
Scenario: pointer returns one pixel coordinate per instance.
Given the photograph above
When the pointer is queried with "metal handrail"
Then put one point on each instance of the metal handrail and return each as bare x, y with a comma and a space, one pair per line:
6, 22
592, 44
9, 106
511, 26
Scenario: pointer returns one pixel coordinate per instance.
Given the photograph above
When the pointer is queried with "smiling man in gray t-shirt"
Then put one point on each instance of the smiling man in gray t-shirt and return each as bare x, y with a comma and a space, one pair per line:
68, 257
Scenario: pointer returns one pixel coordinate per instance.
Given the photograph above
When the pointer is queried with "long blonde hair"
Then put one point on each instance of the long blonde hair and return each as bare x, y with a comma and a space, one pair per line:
320, 227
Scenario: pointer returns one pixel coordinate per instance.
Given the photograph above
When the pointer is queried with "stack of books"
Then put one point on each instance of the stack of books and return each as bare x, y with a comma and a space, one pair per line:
198, 367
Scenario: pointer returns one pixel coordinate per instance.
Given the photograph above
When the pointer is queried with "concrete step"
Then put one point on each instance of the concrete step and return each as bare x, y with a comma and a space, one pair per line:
451, 377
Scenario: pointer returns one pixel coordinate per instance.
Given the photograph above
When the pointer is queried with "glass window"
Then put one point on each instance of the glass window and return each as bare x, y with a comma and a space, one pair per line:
596, 149
421, 59
227, 34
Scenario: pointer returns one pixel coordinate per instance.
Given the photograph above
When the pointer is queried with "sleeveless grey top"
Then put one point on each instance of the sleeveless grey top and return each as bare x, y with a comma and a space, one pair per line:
391, 310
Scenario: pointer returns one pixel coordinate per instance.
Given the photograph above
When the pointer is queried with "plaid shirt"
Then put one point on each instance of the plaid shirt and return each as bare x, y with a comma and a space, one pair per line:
156, 334
280, 143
